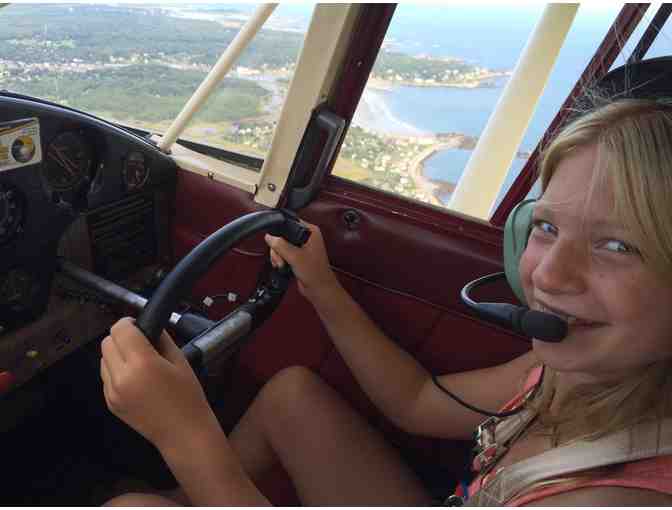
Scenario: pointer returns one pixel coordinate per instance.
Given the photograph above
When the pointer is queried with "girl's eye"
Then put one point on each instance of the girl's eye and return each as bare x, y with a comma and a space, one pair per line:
619, 247
544, 226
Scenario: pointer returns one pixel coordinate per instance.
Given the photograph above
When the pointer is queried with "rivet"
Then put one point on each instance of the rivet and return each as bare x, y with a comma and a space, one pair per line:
211, 175
271, 187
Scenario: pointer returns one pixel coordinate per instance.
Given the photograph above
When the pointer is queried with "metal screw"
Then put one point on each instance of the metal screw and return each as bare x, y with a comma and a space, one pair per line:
271, 187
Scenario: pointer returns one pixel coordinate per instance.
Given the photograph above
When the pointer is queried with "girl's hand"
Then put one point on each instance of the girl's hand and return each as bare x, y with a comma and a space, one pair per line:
155, 393
309, 263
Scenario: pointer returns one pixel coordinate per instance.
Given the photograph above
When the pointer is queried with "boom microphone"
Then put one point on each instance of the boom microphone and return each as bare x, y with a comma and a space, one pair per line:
520, 319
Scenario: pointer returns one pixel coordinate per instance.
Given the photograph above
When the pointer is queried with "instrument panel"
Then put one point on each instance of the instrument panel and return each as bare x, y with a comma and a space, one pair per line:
61, 169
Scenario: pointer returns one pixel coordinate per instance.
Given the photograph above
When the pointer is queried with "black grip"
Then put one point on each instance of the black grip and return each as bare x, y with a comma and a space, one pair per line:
296, 233
291, 230
322, 122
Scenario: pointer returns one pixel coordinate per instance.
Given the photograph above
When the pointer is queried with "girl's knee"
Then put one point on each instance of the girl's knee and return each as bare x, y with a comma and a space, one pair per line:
295, 381
292, 389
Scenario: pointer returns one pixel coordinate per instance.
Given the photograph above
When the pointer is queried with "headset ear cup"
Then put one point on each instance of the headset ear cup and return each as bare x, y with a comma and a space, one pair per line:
516, 232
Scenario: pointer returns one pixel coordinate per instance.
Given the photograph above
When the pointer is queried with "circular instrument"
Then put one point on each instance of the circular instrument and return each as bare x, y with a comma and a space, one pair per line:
12, 211
135, 170
68, 162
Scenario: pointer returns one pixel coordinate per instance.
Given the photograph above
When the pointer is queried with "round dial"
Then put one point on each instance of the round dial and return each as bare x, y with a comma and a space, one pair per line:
68, 162
135, 170
12, 209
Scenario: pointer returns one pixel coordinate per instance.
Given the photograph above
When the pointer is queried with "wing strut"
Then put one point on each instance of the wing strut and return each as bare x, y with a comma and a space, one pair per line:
216, 74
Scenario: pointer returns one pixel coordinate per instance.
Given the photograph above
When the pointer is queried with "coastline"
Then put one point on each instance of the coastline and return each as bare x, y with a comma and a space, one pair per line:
431, 187
484, 81
416, 173
374, 114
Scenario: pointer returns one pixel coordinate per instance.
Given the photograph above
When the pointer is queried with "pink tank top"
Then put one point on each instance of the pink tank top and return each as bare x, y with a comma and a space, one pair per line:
653, 474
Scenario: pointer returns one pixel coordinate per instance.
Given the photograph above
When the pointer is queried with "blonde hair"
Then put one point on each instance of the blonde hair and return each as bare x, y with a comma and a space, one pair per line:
634, 143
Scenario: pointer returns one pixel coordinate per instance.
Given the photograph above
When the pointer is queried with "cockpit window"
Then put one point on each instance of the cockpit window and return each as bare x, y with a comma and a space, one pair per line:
138, 65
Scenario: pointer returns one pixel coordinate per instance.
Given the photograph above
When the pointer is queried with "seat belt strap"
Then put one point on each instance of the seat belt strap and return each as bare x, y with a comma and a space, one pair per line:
643, 441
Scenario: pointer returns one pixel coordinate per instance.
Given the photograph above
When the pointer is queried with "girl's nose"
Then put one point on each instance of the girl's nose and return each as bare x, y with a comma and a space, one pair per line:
561, 269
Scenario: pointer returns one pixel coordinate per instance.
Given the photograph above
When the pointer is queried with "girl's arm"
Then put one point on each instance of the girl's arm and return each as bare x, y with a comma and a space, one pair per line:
397, 384
158, 395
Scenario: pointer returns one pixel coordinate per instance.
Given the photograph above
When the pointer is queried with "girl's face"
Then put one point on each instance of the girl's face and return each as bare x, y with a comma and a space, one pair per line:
581, 263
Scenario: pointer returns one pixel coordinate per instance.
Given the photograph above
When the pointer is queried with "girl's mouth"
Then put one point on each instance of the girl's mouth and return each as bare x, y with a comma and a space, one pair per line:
572, 321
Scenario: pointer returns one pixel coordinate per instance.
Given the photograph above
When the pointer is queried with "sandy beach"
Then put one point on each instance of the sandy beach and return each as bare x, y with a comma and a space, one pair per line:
374, 114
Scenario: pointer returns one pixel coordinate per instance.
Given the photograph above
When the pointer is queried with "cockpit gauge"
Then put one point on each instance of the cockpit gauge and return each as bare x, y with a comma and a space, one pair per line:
135, 170
68, 162
12, 212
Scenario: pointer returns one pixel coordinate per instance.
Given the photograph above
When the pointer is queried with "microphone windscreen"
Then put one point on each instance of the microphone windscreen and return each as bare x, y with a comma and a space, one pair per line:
543, 326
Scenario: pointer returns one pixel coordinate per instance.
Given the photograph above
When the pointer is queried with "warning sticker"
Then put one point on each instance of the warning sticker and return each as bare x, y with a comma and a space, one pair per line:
19, 143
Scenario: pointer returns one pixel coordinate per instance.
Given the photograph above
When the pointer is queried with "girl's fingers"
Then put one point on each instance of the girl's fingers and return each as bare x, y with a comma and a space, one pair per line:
276, 259
108, 387
284, 249
169, 349
111, 351
131, 342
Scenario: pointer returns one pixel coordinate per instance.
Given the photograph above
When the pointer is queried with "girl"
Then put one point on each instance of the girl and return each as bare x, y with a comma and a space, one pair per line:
599, 255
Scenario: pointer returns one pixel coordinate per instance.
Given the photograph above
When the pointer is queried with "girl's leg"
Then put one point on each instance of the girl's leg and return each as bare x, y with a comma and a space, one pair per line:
333, 456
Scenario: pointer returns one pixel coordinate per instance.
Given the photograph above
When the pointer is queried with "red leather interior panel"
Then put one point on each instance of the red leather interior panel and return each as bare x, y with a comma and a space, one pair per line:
277, 344
459, 343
